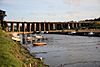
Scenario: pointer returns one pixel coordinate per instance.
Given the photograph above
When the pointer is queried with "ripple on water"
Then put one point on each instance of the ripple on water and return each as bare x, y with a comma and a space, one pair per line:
81, 64
69, 51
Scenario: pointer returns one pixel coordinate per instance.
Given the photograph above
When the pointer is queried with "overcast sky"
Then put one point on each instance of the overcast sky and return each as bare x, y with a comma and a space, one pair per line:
50, 10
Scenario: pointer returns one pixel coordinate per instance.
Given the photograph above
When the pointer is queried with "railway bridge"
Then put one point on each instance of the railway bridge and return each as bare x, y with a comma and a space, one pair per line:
52, 27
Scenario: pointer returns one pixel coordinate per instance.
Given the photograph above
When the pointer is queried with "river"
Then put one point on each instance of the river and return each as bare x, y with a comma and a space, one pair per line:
69, 51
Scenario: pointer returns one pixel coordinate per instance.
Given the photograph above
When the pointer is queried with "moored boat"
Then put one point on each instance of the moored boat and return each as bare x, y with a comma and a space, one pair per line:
16, 38
38, 36
91, 33
30, 38
39, 44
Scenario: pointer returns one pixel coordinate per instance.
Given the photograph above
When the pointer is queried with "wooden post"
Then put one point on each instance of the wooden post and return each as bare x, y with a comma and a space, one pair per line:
12, 27
68, 26
54, 26
25, 26
34, 27
79, 24
30, 27
39, 27
76, 25
44, 27
48, 26
73, 25
18, 25
61, 26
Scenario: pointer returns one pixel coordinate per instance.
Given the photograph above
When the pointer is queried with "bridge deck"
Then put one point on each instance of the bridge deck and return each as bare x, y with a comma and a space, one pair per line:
88, 30
62, 31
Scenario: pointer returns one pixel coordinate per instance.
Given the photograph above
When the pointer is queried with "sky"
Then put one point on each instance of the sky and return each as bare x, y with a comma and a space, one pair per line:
50, 10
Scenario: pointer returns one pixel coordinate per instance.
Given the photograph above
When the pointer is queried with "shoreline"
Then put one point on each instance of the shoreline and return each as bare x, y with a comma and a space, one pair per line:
36, 64
14, 54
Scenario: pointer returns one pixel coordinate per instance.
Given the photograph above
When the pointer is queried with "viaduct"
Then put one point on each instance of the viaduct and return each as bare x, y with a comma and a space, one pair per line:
49, 27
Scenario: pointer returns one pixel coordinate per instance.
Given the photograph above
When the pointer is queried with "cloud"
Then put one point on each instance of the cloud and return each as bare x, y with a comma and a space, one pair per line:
72, 2
8, 2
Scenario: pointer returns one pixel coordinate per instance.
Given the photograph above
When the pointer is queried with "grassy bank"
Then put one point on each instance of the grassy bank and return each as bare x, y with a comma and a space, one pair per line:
12, 54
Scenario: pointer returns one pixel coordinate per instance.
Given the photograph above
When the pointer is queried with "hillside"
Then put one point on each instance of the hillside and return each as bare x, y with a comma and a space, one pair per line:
13, 55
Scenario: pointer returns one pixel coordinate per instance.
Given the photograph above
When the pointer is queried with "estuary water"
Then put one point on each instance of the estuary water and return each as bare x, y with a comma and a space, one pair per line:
69, 51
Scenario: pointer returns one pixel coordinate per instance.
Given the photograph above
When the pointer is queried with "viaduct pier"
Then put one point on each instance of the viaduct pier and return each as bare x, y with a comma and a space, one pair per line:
53, 27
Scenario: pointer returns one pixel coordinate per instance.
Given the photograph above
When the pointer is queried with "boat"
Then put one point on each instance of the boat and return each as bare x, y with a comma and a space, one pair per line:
38, 36
91, 33
73, 32
30, 38
39, 44
16, 38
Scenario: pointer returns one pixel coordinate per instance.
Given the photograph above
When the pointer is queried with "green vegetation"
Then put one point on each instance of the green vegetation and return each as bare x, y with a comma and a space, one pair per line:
12, 54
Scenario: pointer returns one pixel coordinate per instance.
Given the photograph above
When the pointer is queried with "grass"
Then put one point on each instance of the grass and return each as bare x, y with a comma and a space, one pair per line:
12, 54
7, 58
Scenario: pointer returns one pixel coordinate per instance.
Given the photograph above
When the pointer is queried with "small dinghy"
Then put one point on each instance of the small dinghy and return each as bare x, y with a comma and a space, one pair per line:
39, 44
38, 36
